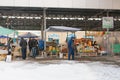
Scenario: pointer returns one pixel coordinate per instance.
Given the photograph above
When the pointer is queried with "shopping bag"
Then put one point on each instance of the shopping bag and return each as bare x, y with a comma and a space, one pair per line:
8, 58
61, 55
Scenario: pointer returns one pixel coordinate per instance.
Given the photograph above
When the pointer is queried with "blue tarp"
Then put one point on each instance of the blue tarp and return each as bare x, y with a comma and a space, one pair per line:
2, 36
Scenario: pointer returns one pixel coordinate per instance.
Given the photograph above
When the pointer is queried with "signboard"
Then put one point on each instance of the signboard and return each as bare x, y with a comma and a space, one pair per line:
107, 22
95, 33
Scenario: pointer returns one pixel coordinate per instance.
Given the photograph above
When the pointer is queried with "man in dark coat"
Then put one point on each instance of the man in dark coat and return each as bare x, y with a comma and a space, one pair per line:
23, 44
30, 44
9, 45
34, 47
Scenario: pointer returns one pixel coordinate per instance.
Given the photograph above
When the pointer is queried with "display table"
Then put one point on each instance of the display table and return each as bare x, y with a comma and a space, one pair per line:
3, 54
88, 54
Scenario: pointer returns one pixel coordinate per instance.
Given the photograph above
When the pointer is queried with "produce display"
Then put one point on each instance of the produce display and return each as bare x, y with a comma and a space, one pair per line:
85, 47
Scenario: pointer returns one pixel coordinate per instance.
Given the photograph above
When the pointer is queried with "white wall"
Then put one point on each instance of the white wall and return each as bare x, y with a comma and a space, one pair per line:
97, 4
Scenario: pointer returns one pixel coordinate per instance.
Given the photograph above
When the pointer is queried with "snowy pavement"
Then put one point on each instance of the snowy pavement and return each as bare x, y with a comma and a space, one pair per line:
62, 70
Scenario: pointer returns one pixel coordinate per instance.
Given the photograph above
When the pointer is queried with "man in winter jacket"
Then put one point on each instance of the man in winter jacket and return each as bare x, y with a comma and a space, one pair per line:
30, 44
34, 47
23, 44
9, 45
71, 48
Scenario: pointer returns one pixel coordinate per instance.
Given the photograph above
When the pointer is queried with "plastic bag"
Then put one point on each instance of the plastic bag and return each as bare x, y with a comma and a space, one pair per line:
8, 58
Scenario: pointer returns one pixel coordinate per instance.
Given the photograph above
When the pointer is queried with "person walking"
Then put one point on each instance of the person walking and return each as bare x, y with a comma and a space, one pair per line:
71, 48
34, 47
41, 44
9, 45
23, 44
30, 45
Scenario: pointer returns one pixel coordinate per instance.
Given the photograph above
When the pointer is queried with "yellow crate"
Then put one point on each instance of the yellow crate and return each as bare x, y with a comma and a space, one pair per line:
3, 57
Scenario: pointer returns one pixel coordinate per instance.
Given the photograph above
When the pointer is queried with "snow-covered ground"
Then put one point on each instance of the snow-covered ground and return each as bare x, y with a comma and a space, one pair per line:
63, 70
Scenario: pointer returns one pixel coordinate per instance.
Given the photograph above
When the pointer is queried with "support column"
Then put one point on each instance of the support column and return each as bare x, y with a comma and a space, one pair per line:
42, 28
108, 51
44, 23
86, 26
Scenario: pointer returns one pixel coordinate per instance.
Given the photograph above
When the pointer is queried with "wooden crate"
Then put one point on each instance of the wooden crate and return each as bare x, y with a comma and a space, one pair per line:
88, 54
3, 57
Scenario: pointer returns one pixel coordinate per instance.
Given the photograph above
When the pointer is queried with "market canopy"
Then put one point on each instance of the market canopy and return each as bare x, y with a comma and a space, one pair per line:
62, 29
6, 31
28, 35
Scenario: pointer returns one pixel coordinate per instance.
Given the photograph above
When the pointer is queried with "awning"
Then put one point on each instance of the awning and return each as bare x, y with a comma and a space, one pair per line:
62, 29
6, 31
28, 35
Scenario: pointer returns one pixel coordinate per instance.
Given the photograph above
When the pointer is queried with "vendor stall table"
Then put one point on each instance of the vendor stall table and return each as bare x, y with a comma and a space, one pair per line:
88, 54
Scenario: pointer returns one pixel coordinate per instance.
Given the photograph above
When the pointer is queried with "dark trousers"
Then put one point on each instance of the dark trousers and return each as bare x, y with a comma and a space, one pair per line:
9, 50
71, 52
23, 53
34, 51
30, 48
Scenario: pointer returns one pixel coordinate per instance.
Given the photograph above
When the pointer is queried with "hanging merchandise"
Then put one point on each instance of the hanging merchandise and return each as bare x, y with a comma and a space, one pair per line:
53, 37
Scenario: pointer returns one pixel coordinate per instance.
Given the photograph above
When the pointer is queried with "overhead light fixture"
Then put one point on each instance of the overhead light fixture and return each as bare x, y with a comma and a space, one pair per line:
115, 19
90, 18
62, 18
18, 17
9, 16
30, 17
99, 19
27, 17
54, 18
71, 18
66, 18
80, 18
48, 18
37, 17
58, 18
22, 17
13, 17
4, 16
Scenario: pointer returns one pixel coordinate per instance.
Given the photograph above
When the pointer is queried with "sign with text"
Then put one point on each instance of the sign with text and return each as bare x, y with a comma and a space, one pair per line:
107, 22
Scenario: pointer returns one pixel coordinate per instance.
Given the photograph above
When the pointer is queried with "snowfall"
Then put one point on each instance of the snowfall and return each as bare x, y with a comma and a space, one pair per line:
58, 70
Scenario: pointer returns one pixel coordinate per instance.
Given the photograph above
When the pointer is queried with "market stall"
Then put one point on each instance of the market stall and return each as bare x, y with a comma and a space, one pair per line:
86, 47
62, 48
89, 45
5, 33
